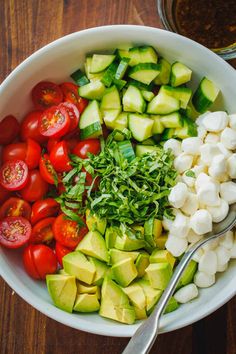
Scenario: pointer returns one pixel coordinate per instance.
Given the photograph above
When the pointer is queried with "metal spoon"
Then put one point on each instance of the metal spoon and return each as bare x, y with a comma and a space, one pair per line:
144, 338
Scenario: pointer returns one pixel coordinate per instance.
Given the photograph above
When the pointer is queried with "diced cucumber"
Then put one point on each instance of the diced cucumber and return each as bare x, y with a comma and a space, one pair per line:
110, 117
109, 74
147, 95
100, 62
189, 129
158, 127
90, 121
140, 126
144, 149
91, 131
149, 141
92, 91
133, 100
122, 67
163, 104
137, 55
180, 74
80, 78
205, 95
164, 77
140, 85
121, 121
91, 77
148, 54
120, 84
173, 120
168, 133
145, 72
183, 94
126, 149
110, 99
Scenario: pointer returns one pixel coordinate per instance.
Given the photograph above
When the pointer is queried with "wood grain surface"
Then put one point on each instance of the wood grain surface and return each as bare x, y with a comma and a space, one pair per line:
25, 26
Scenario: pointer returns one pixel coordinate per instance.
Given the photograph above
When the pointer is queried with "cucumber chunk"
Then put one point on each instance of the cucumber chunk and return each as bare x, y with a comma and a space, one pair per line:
92, 91
126, 149
137, 55
110, 99
147, 95
189, 129
164, 76
100, 62
109, 74
120, 84
79, 77
180, 74
205, 95
144, 149
140, 126
183, 94
158, 127
110, 117
163, 104
90, 121
173, 120
133, 100
122, 68
167, 134
87, 67
145, 72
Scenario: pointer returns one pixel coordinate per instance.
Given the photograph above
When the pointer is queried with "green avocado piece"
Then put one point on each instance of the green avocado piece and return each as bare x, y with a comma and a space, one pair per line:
110, 237
93, 244
117, 255
136, 295
159, 274
161, 242
76, 263
85, 288
188, 274
126, 243
101, 270
63, 290
95, 223
152, 230
159, 256
86, 303
140, 314
62, 271
172, 305
152, 295
142, 263
124, 272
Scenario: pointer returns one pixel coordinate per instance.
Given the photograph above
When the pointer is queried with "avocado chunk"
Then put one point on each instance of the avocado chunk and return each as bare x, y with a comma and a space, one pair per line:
62, 271
152, 230
158, 256
124, 272
95, 223
93, 244
159, 274
161, 242
172, 305
140, 314
126, 243
136, 295
62, 289
86, 303
86, 289
188, 274
117, 255
142, 263
76, 263
110, 237
152, 295
101, 270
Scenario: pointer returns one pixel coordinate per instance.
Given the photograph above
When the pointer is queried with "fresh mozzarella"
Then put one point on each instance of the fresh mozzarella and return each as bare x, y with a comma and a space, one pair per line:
222, 267
232, 121
174, 145
167, 223
201, 180
208, 194
201, 222
208, 152
198, 254
223, 150
180, 226
192, 237
222, 254
233, 250
199, 168
231, 166
199, 120
228, 192
178, 195
227, 240
210, 245
218, 166
228, 138
175, 245
215, 121
190, 205
183, 162
201, 132
204, 280
186, 293
208, 263
219, 212
189, 181
191, 146
212, 138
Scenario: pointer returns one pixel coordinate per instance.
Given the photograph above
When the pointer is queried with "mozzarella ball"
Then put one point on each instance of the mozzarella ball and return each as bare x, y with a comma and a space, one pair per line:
208, 263
174, 145
218, 166
223, 150
186, 293
175, 245
192, 145
197, 255
204, 280
201, 180
228, 192
167, 223
219, 213
201, 132
232, 121
189, 181
180, 226
200, 118
183, 162
210, 245
233, 250
208, 194
215, 121
201, 222
231, 166
222, 267
212, 138
222, 254
178, 195
227, 240
190, 205
199, 168
192, 237
228, 138
208, 152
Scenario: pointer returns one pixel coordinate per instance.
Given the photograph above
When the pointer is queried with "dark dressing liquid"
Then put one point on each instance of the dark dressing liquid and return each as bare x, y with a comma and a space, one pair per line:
209, 22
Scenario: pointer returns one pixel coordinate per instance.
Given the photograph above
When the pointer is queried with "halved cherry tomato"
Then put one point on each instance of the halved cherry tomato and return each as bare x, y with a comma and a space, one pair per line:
33, 153
51, 143
46, 94
15, 231
15, 207
73, 113
35, 188
87, 146
59, 157
43, 209
68, 232
14, 175
39, 260
47, 170
70, 94
15, 151
4, 194
9, 129
61, 251
54, 122
42, 231
30, 127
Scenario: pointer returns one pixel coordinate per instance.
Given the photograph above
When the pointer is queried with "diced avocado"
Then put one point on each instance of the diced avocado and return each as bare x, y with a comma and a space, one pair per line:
86, 303
159, 256
140, 314
125, 243
62, 271
188, 274
152, 295
110, 237
159, 274
101, 270
93, 244
161, 241
117, 255
85, 288
76, 263
172, 305
95, 223
142, 263
152, 230
136, 295
124, 272
62, 289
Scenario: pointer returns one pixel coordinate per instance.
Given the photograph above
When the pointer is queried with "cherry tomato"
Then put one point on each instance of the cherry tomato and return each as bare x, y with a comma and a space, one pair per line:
54, 122
47, 170
43, 209
61, 188
4, 194
73, 113
46, 94
14, 175
30, 127
68, 232
83, 147
61, 251
15, 151
70, 94
59, 157
15, 231
71, 143
9, 129
33, 153
51, 143
42, 231
15, 207
35, 188
39, 260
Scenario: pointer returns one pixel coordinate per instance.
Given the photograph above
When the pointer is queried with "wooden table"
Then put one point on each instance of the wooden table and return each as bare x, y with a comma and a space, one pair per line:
25, 26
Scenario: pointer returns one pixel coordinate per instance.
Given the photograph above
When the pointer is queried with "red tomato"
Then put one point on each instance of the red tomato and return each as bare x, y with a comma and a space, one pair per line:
73, 113
33, 153
36, 187
15, 151
46, 94
4, 194
54, 122
70, 94
68, 232
71, 143
51, 143
30, 127
9, 129
85, 146
39, 260
61, 251
43, 209
14, 175
15, 231
42, 231
47, 170
59, 157
15, 207
61, 188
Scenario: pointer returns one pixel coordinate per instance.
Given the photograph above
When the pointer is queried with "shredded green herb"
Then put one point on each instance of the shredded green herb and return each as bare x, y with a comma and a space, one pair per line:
190, 173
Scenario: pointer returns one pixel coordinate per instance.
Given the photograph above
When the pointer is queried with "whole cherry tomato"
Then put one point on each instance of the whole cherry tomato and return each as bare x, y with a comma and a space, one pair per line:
15, 207
35, 188
16, 151
84, 147
43, 209
33, 153
61, 251
46, 94
30, 127
9, 129
15, 231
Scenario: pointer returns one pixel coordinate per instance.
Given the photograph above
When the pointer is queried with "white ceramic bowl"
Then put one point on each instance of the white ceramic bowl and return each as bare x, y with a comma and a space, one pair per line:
56, 62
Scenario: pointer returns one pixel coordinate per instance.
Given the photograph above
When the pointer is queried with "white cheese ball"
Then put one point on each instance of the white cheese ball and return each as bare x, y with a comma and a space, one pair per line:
174, 145
192, 237
186, 293
212, 138
227, 240
201, 132
228, 192
175, 245
215, 121
202, 179
208, 262
189, 181
228, 138
180, 226
190, 205
178, 195
210, 245
233, 250
208, 194
222, 267
223, 150
192, 145
222, 254
208, 152
183, 162
231, 166
167, 223
218, 166
201, 222
197, 255
200, 118
219, 213
204, 280
232, 121
199, 168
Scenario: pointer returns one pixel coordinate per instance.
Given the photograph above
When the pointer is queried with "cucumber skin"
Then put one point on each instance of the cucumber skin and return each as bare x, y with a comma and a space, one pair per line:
91, 131
200, 102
